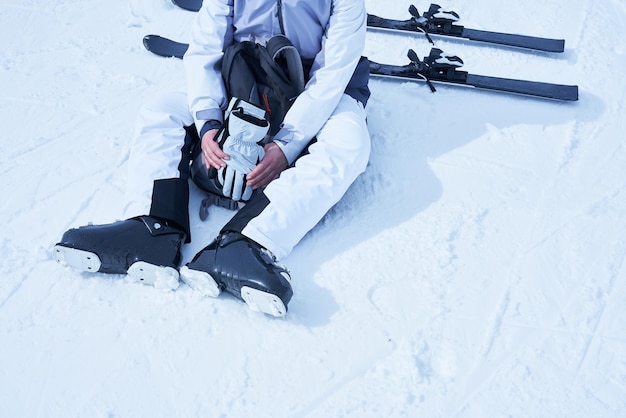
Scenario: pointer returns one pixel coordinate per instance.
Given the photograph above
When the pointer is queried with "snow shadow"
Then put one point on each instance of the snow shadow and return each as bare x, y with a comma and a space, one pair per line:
409, 127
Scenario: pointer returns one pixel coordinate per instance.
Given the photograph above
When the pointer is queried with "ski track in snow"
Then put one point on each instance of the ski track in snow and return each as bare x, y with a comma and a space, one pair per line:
475, 269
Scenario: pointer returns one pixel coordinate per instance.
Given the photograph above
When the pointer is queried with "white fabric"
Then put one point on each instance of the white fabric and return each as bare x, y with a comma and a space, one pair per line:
302, 195
330, 31
156, 149
299, 198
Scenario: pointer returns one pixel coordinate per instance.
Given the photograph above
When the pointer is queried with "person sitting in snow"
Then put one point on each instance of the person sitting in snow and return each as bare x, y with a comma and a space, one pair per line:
321, 147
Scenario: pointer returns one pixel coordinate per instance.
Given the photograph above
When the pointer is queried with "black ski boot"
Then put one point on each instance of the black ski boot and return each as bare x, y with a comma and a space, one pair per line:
146, 248
243, 268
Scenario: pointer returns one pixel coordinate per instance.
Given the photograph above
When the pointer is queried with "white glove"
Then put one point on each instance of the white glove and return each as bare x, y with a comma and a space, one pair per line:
241, 142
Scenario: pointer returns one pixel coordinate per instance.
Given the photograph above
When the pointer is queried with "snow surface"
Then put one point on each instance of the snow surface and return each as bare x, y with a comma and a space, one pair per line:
475, 270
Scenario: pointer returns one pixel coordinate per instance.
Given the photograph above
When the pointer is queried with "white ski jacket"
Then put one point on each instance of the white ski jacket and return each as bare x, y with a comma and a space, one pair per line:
332, 32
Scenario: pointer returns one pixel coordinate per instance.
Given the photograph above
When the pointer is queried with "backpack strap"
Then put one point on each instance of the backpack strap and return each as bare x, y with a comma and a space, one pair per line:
234, 67
279, 47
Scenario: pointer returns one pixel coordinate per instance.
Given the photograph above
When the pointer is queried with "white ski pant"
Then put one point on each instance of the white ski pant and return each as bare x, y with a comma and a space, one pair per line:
298, 199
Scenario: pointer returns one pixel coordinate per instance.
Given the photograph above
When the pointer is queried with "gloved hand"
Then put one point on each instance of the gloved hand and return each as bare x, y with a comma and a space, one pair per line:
240, 140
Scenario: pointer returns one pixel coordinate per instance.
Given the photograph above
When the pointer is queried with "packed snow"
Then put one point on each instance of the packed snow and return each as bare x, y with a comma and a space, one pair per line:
476, 269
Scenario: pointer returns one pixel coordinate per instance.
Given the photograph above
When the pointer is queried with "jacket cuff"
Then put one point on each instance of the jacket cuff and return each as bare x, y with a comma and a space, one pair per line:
290, 144
208, 125
203, 116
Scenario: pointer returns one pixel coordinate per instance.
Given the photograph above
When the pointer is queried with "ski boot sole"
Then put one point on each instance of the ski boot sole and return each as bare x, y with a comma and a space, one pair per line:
260, 301
79, 259
257, 300
161, 277
200, 281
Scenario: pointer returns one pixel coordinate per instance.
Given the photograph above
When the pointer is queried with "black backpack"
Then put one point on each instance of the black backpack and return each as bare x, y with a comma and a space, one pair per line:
270, 77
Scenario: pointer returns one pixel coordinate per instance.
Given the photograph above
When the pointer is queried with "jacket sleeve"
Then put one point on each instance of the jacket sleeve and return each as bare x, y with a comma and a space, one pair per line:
342, 47
211, 32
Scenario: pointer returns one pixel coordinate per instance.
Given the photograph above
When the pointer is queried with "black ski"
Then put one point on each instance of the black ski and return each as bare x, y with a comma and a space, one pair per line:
191, 5
164, 47
438, 67
437, 21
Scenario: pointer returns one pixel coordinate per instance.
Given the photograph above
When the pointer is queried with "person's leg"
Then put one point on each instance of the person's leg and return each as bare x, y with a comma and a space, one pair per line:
158, 166
147, 244
299, 199
277, 218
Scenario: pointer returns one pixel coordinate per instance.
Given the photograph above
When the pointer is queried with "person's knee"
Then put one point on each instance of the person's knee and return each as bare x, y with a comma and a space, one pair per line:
164, 107
348, 131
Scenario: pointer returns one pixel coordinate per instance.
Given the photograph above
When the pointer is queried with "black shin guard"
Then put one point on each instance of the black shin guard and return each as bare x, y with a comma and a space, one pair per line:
170, 201
251, 210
